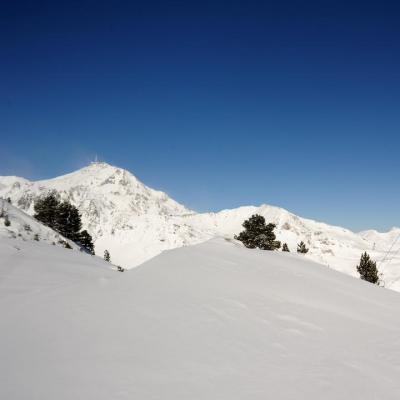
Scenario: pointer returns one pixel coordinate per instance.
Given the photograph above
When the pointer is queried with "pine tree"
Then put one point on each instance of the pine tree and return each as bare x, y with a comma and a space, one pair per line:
301, 248
107, 256
75, 224
46, 210
68, 221
7, 221
85, 240
258, 234
368, 270
64, 218
285, 247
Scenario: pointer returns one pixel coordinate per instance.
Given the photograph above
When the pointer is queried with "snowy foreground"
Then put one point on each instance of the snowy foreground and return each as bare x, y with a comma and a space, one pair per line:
211, 321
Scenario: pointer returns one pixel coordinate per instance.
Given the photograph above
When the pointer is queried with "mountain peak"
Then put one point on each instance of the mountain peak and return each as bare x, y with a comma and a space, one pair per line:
135, 222
96, 167
101, 165
95, 175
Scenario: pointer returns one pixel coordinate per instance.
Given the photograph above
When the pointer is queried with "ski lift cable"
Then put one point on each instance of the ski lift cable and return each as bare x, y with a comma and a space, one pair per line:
388, 252
393, 256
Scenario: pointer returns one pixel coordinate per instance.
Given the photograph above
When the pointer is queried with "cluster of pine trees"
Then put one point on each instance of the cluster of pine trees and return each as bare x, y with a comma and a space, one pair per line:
258, 234
64, 218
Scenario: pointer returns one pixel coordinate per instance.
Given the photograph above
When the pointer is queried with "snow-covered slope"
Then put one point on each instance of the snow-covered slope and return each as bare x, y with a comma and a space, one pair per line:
136, 223
334, 246
123, 215
24, 227
212, 321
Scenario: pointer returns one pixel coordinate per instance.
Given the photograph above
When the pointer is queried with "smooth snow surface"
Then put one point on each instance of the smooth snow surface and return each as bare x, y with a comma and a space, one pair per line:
212, 321
136, 223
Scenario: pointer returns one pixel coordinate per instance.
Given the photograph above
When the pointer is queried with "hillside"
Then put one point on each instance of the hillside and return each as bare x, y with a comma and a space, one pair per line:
123, 215
212, 321
26, 228
135, 222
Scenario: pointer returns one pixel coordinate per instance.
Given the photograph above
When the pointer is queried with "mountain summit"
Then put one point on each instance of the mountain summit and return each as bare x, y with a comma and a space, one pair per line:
135, 222
122, 214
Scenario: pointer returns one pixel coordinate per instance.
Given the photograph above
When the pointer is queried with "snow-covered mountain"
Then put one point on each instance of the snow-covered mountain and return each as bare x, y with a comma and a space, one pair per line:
135, 222
213, 321
334, 246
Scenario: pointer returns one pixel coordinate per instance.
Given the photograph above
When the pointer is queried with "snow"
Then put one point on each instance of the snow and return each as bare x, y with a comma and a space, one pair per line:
211, 321
136, 223
24, 227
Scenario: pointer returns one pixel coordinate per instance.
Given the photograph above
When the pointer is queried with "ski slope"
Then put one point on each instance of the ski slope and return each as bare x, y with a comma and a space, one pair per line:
211, 321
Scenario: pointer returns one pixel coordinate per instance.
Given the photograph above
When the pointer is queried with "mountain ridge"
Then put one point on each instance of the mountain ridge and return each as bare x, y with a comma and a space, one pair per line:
135, 222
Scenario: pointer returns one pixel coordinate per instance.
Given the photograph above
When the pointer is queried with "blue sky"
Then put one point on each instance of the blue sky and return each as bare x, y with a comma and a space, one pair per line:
220, 105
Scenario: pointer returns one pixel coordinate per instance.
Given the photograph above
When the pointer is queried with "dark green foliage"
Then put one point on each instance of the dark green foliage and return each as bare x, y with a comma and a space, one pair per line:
36, 237
301, 248
368, 270
64, 218
258, 234
107, 256
7, 221
68, 221
46, 210
285, 247
85, 240
8, 200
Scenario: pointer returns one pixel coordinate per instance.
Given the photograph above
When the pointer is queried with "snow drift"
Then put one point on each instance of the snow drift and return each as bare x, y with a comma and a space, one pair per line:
212, 321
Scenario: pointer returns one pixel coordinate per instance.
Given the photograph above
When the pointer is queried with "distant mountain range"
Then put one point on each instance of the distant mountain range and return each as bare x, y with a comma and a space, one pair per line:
135, 222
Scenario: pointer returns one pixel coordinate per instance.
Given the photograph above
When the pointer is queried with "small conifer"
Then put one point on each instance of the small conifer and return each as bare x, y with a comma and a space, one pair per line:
301, 248
285, 247
367, 269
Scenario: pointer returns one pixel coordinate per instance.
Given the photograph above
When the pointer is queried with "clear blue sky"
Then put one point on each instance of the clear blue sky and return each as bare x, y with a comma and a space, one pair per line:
218, 103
